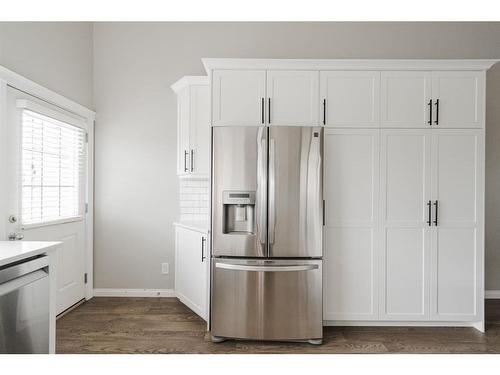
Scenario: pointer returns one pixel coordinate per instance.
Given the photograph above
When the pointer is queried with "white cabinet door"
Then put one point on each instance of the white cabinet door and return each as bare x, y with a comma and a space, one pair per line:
457, 236
191, 267
350, 99
199, 130
183, 150
238, 97
351, 184
461, 99
405, 240
293, 97
405, 99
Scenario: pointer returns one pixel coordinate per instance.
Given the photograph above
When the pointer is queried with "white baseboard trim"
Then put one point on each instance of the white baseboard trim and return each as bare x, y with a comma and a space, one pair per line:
110, 292
492, 294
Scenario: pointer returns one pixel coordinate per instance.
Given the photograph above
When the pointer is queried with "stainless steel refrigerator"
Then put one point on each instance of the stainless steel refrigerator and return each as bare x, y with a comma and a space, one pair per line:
267, 223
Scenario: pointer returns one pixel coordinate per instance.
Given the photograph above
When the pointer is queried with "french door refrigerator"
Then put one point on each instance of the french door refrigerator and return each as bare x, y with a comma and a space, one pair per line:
267, 222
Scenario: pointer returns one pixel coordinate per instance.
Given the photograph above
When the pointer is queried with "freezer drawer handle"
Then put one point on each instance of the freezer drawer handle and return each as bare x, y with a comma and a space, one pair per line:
291, 268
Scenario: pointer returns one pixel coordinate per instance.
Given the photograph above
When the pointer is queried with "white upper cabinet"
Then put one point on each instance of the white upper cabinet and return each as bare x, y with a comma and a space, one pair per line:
183, 149
350, 99
458, 99
292, 97
238, 97
193, 126
406, 99
457, 242
200, 130
439, 99
405, 239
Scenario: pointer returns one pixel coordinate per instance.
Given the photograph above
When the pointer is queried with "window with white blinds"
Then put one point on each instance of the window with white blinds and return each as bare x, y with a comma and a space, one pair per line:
53, 170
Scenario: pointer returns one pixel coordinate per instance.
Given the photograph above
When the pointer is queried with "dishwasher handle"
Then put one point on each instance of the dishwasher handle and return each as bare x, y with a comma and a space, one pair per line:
19, 282
18, 269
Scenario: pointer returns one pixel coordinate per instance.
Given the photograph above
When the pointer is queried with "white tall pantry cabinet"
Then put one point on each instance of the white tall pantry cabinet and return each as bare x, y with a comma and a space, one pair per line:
403, 177
193, 162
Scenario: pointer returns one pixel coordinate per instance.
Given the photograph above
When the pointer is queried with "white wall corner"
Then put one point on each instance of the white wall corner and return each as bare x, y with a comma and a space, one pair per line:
111, 292
492, 294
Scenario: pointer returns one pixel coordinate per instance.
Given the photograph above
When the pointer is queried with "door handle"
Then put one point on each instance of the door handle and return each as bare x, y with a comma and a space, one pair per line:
185, 161
436, 213
429, 214
437, 112
324, 111
244, 267
192, 160
203, 239
430, 112
268, 110
15, 236
262, 110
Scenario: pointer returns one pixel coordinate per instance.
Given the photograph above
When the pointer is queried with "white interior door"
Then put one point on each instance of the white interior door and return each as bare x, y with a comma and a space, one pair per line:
350, 99
293, 97
351, 185
405, 99
46, 176
457, 235
405, 240
238, 97
461, 99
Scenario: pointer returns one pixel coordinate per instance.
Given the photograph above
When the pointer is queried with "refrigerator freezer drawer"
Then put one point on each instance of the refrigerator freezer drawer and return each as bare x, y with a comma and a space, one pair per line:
267, 299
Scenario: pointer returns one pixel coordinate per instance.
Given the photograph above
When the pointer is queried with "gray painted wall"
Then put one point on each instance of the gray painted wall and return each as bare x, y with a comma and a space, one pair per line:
57, 55
134, 65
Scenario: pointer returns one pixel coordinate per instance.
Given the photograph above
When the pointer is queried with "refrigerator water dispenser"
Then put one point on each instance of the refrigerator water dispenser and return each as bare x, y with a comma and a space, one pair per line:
239, 212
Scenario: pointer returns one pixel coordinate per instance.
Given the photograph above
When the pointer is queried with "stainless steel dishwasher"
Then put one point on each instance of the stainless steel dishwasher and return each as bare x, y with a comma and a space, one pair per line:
24, 306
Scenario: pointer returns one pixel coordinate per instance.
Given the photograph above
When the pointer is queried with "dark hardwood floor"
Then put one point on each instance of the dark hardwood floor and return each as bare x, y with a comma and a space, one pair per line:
164, 325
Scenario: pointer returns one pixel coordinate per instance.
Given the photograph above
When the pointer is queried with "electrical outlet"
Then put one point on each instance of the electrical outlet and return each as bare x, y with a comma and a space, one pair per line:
164, 268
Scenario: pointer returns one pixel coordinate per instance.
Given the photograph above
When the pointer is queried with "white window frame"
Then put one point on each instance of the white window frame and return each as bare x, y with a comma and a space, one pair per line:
24, 104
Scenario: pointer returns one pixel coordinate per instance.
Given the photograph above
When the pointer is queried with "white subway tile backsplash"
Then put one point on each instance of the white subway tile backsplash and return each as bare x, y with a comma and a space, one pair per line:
194, 199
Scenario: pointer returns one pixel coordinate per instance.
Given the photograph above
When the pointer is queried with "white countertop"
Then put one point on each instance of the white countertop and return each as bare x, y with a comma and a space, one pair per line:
198, 226
13, 251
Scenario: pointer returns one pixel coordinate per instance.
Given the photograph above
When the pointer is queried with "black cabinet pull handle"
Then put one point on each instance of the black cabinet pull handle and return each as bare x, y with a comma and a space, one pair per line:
324, 111
192, 160
437, 112
203, 239
429, 213
268, 110
324, 213
185, 161
430, 112
436, 213
262, 110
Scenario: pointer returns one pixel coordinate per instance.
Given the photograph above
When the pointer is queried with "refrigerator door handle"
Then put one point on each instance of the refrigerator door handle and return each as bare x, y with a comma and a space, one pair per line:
287, 268
261, 181
272, 190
